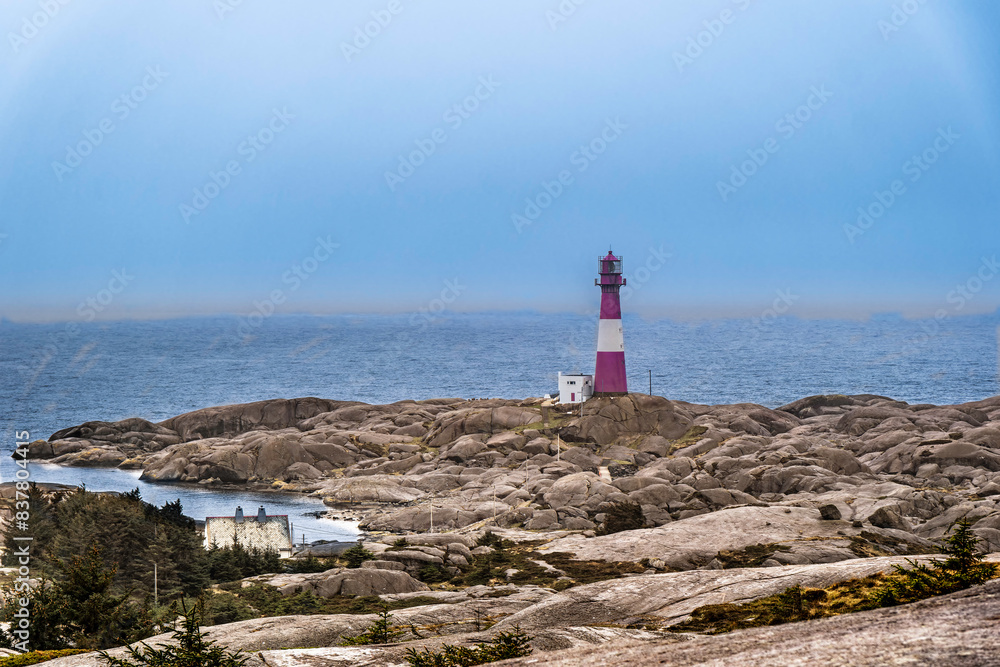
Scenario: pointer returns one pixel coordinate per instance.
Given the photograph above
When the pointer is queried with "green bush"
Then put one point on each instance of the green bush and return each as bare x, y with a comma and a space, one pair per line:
226, 608
133, 536
964, 567
308, 565
504, 645
432, 573
191, 649
489, 539
81, 609
237, 562
357, 555
379, 632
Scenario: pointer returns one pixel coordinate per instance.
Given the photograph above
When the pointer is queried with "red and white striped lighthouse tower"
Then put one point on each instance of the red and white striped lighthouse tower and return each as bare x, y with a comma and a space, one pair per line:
609, 374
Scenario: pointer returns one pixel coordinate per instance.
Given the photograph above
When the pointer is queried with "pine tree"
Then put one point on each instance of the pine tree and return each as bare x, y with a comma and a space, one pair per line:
94, 616
190, 650
965, 562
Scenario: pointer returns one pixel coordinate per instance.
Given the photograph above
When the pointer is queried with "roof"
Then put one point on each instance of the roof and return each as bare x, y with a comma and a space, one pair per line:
245, 517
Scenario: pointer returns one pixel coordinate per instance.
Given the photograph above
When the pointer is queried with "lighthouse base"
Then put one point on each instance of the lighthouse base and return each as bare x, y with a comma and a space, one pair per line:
599, 394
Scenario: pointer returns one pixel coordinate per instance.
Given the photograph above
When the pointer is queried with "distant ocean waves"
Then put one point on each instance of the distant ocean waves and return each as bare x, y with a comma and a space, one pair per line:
54, 376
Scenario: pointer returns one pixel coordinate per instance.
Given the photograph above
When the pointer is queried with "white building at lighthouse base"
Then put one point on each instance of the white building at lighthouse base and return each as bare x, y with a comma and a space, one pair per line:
575, 388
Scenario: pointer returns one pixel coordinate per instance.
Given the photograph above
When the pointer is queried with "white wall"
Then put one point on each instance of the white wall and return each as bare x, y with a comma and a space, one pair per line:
575, 388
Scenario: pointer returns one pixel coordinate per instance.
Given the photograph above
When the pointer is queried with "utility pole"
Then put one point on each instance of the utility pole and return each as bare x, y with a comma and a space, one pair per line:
432, 517
650, 381
156, 586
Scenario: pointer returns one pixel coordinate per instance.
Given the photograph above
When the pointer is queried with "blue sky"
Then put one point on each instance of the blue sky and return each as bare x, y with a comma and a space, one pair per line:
646, 111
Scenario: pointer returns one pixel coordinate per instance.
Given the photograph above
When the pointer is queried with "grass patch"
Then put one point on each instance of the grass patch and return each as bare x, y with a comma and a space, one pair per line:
963, 568
262, 600
490, 568
590, 571
752, 556
794, 604
870, 545
690, 437
554, 422
35, 657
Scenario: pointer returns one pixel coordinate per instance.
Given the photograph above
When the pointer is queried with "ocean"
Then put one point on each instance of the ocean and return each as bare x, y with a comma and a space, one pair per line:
58, 375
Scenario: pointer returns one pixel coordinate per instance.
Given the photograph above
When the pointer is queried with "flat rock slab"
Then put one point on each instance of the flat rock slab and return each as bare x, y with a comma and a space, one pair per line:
957, 630
285, 632
696, 540
394, 655
673, 596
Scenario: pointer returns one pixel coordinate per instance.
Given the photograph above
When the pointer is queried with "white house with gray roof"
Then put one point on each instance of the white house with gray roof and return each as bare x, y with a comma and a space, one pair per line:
262, 532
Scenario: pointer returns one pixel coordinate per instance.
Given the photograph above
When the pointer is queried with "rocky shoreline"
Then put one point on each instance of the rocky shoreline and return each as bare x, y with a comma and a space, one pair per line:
890, 466
738, 502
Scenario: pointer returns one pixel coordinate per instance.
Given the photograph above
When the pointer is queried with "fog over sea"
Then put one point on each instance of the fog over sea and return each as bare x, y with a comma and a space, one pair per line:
57, 375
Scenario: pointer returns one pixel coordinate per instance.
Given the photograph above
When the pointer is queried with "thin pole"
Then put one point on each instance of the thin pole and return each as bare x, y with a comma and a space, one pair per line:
557, 447
650, 381
432, 517
494, 504
156, 586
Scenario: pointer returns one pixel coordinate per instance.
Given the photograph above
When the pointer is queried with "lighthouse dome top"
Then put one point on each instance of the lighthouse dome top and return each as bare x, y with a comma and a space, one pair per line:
609, 264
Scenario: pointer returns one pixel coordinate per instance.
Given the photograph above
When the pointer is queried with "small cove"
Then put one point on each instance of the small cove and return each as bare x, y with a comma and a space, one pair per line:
197, 502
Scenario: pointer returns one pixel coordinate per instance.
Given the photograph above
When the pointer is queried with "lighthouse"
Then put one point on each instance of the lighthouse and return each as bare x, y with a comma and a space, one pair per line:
609, 373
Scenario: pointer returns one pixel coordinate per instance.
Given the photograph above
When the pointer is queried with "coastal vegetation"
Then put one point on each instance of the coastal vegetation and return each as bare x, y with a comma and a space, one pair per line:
35, 657
190, 648
504, 645
114, 569
963, 568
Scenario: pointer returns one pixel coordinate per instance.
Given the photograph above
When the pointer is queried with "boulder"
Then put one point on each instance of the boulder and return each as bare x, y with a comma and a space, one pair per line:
605, 419
695, 541
829, 513
376, 489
